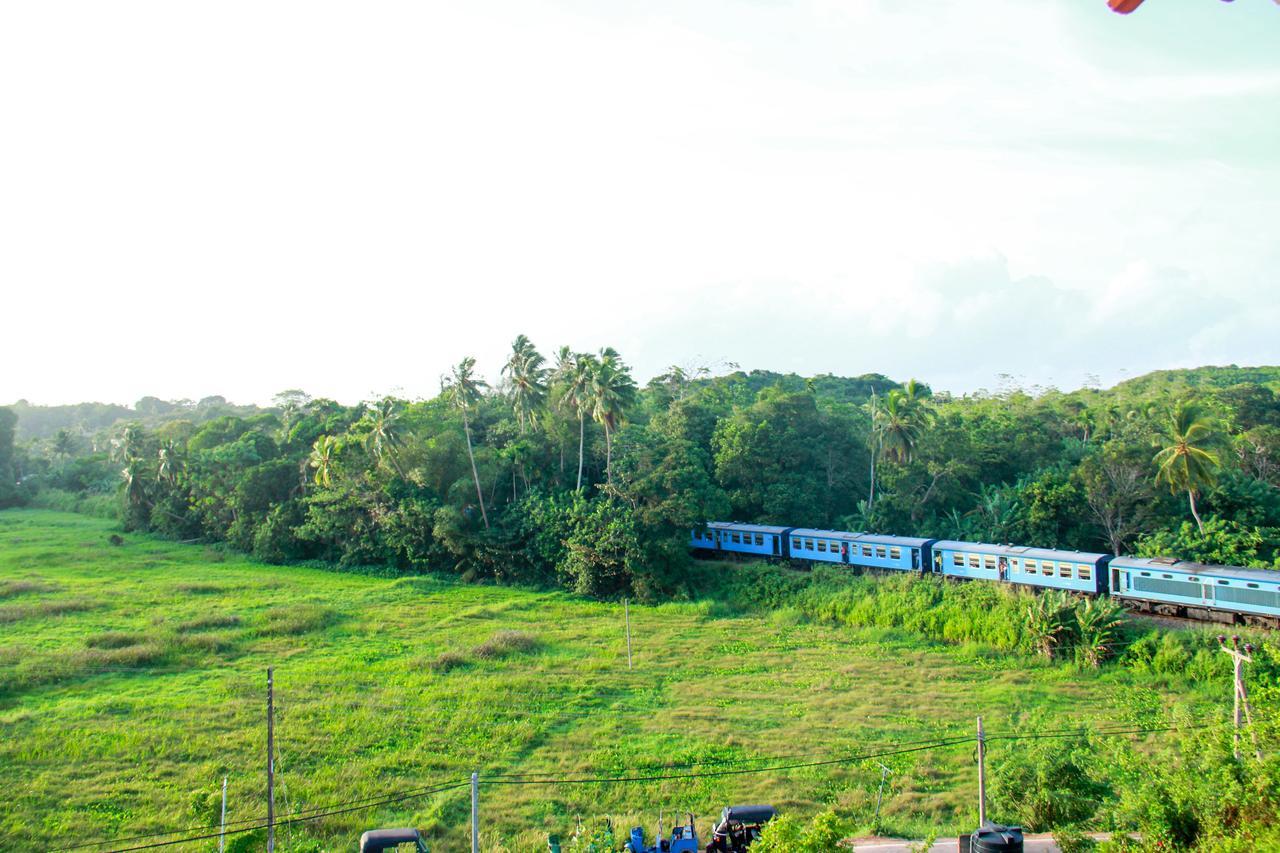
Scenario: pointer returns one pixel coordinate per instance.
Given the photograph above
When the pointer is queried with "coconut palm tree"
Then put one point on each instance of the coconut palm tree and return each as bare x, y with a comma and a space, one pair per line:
384, 435
1189, 460
323, 453
900, 426
612, 391
574, 372
170, 462
527, 379
463, 389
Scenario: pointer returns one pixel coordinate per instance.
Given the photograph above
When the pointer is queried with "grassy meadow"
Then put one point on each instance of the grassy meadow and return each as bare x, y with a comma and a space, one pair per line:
133, 676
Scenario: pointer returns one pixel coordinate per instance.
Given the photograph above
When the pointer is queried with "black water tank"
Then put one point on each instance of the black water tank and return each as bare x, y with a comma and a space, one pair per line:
994, 838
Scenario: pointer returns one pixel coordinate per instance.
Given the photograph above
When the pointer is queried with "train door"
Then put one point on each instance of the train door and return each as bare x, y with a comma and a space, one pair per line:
777, 545
915, 558
844, 552
937, 562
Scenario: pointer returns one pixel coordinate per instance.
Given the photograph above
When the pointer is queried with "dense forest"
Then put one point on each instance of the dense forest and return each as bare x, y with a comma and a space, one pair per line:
564, 470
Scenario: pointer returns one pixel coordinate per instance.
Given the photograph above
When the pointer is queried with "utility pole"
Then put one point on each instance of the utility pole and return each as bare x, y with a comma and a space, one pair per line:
884, 773
222, 828
475, 813
626, 614
1239, 659
982, 776
271, 764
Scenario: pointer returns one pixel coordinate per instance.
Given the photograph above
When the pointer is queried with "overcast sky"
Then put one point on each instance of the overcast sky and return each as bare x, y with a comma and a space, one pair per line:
238, 198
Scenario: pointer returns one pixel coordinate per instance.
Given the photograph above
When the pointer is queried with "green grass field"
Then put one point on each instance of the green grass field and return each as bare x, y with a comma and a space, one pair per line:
132, 679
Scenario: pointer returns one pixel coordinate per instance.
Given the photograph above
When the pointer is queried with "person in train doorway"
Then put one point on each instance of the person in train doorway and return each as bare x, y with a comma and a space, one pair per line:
1004, 568
937, 563
844, 552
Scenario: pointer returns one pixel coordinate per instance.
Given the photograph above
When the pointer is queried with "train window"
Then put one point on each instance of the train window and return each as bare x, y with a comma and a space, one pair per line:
988, 562
1224, 583
880, 551
822, 545
1086, 572
866, 550
759, 538
973, 561
1029, 566
1064, 570
957, 559
1146, 574
1252, 585
1167, 577
895, 553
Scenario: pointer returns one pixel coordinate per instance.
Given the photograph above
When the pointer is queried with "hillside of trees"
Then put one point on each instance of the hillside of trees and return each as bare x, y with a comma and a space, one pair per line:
562, 470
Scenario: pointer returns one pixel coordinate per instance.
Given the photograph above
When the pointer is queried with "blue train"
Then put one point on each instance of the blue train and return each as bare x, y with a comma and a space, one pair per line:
1152, 585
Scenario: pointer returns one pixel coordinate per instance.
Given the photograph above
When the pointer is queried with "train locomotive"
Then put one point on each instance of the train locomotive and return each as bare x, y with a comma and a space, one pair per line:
1163, 586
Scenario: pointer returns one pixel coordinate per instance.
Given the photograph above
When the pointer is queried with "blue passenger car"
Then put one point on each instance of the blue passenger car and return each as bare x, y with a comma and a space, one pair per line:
821, 546
905, 553
1176, 588
757, 539
1066, 570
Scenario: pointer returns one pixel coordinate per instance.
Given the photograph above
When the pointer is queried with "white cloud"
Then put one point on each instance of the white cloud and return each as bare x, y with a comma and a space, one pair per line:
242, 198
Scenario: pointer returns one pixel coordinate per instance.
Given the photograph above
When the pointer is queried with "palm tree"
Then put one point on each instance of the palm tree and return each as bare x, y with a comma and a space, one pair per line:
528, 380
1189, 461
384, 434
574, 373
464, 390
900, 424
612, 391
170, 462
323, 453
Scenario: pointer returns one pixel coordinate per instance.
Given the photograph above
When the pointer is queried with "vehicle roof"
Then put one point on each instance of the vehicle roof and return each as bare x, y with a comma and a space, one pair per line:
825, 534
738, 525
748, 814
1187, 567
1017, 551
846, 536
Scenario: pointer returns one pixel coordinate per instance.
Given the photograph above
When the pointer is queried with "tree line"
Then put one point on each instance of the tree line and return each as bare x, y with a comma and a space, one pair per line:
566, 471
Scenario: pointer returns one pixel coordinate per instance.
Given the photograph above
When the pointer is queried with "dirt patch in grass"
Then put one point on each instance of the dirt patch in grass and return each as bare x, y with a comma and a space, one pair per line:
200, 588
500, 645
114, 640
213, 622
293, 620
44, 609
505, 643
12, 589
449, 661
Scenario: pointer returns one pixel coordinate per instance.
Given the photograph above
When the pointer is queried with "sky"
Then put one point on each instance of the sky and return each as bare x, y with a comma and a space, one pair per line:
237, 198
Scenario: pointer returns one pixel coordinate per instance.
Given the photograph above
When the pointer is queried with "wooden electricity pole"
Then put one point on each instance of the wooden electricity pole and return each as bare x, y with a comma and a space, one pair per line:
982, 776
222, 828
1238, 659
271, 764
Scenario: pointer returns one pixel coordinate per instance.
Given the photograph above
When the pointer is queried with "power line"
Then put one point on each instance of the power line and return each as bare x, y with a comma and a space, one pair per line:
285, 822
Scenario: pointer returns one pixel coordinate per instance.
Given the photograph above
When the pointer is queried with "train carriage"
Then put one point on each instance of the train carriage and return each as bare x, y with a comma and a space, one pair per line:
904, 553
1072, 571
761, 540
821, 546
1178, 588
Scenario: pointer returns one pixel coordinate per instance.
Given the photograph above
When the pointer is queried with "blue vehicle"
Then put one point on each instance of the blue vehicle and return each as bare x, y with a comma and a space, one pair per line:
1177, 588
869, 550
760, 540
1155, 585
1072, 571
684, 839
